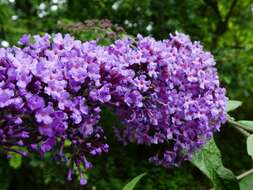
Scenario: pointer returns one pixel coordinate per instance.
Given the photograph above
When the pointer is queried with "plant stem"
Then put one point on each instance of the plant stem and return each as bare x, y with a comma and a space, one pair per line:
239, 177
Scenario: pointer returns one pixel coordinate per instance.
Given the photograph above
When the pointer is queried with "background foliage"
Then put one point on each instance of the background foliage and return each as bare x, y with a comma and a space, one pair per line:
223, 26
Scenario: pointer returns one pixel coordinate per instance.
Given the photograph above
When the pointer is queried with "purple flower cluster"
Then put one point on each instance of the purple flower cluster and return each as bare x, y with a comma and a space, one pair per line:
171, 97
52, 89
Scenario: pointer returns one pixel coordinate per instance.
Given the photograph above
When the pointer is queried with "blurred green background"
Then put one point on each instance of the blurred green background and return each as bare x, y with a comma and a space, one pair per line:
225, 27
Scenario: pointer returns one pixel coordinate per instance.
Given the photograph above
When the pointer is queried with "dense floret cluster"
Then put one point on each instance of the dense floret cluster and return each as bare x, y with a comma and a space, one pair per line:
52, 90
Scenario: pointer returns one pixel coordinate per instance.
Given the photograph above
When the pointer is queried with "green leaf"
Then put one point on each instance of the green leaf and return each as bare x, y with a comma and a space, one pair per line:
15, 161
246, 123
247, 182
250, 145
233, 104
130, 185
209, 161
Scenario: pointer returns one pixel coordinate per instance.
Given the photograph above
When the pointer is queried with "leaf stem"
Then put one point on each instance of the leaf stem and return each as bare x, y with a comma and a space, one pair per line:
244, 130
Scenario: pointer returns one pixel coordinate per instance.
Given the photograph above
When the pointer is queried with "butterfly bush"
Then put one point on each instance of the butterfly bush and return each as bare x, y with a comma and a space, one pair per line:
53, 87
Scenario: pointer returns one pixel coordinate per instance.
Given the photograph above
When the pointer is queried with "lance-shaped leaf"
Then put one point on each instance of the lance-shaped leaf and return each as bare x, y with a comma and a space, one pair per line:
250, 145
233, 104
130, 185
209, 161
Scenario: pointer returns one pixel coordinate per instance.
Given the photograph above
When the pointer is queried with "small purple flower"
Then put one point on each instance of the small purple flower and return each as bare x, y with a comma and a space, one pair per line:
76, 116
48, 145
35, 102
5, 96
133, 98
24, 40
86, 129
83, 181
46, 130
103, 94
43, 115
141, 83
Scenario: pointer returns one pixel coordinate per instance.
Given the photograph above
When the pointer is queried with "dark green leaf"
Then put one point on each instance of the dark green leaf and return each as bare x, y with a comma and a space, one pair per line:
130, 185
5, 175
208, 160
233, 104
